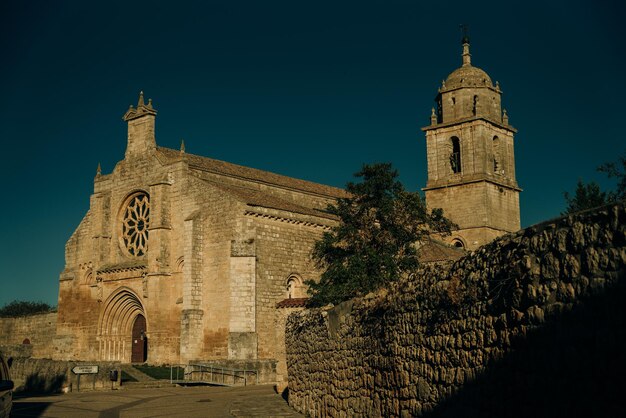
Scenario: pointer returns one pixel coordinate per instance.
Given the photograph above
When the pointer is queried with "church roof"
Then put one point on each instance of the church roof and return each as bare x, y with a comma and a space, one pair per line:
263, 199
252, 174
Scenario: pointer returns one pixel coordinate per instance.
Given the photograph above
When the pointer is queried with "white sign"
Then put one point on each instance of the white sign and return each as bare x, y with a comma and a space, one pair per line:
85, 369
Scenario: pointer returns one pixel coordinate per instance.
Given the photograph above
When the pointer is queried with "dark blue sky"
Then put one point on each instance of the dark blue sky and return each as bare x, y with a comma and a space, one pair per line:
306, 89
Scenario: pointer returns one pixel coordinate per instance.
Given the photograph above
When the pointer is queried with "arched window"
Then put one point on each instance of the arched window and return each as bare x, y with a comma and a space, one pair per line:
497, 166
455, 156
295, 287
458, 243
475, 105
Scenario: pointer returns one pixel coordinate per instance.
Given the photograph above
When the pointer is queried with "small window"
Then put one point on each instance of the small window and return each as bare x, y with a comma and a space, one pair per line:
455, 156
295, 287
475, 105
458, 243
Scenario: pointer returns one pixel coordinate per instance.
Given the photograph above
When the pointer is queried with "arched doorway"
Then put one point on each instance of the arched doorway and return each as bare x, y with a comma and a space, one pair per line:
123, 318
139, 342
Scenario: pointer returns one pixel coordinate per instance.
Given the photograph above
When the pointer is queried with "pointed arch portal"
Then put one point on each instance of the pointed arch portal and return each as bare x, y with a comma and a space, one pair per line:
123, 318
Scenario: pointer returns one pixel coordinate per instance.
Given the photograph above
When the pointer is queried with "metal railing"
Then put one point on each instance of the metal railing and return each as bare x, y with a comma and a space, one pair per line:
210, 374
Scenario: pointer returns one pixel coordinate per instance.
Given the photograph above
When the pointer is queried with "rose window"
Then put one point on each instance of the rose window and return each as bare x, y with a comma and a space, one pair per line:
135, 222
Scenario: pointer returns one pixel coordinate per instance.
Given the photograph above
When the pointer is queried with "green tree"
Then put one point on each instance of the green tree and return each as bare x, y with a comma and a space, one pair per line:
374, 241
616, 170
586, 196
23, 308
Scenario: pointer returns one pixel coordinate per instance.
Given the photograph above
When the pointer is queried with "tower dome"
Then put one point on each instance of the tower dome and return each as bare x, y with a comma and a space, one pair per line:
468, 76
468, 92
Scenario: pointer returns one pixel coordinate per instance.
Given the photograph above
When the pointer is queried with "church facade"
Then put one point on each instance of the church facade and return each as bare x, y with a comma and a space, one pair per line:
182, 258
471, 160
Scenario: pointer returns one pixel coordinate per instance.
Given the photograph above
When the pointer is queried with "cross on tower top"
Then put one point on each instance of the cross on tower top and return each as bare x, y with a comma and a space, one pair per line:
465, 30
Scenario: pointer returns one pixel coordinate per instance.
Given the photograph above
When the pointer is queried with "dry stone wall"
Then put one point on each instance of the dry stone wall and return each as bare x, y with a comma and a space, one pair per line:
533, 324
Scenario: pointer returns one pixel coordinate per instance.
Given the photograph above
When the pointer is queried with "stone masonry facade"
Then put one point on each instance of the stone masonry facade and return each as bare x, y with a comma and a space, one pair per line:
183, 258
532, 324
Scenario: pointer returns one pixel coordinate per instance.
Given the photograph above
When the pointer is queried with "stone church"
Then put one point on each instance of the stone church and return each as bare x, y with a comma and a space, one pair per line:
182, 258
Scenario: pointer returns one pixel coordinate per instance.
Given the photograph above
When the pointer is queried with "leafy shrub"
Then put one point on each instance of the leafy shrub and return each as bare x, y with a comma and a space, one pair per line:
23, 308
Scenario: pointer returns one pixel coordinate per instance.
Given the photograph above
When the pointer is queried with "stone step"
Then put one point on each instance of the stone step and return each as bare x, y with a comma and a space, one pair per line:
136, 374
143, 385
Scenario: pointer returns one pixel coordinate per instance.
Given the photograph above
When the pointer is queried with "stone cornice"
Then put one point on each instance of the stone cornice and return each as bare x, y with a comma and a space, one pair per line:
465, 180
122, 267
274, 215
467, 120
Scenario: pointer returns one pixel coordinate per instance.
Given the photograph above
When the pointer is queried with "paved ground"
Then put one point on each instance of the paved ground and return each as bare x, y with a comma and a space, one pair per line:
251, 401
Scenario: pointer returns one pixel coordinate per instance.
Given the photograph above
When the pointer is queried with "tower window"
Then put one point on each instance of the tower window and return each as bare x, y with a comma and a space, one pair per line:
475, 105
455, 156
453, 107
497, 169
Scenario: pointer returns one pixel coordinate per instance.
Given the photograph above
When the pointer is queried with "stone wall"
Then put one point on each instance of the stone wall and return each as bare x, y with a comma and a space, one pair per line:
532, 324
38, 329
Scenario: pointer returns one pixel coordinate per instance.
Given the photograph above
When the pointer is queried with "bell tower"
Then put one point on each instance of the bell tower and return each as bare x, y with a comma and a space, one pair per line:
471, 163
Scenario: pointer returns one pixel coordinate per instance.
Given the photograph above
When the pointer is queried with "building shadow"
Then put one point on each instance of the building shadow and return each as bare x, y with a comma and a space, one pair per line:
29, 409
574, 365
39, 384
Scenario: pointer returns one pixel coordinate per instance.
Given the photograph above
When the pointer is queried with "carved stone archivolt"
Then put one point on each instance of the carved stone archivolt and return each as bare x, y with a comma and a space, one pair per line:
119, 312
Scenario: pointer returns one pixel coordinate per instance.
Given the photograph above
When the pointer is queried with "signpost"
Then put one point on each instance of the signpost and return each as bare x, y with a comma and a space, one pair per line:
85, 369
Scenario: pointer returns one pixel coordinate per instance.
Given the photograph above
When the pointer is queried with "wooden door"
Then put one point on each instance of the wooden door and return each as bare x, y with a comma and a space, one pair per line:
140, 341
